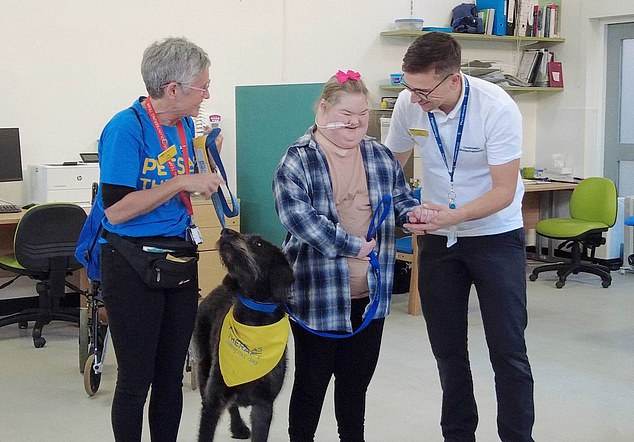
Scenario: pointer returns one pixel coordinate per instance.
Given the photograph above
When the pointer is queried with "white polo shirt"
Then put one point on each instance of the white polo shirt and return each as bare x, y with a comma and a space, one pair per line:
492, 135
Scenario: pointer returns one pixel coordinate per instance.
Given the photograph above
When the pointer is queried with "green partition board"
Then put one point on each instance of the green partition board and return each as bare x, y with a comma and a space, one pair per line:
268, 119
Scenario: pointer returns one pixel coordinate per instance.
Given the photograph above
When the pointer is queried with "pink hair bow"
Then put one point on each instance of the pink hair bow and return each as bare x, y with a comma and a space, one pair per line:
342, 77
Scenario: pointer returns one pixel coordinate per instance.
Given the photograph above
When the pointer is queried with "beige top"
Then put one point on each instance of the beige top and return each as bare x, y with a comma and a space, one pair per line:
350, 189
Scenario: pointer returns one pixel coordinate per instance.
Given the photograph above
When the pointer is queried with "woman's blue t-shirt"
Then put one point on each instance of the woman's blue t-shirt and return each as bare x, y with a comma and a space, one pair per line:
128, 156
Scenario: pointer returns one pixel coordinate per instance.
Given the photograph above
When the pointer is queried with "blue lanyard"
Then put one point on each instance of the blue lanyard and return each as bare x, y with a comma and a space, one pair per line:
381, 212
218, 198
434, 128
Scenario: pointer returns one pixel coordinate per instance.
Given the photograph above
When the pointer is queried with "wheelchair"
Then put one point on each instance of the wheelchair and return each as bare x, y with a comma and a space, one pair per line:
93, 339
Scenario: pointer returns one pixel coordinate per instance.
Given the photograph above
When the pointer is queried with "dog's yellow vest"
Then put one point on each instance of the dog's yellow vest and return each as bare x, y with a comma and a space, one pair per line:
247, 352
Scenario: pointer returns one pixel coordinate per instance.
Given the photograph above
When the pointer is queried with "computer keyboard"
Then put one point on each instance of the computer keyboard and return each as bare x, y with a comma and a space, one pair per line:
9, 208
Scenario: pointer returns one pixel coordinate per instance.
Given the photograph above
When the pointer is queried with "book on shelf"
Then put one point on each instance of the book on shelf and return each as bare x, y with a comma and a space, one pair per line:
537, 18
511, 16
489, 71
541, 76
488, 18
527, 69
499, 21
535, 68
555, 74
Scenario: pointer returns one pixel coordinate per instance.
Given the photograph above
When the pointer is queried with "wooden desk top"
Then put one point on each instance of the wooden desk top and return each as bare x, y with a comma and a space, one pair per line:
11, 218
546, 186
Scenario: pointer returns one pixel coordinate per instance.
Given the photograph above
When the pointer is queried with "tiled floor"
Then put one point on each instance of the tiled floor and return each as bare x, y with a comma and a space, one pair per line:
581, 347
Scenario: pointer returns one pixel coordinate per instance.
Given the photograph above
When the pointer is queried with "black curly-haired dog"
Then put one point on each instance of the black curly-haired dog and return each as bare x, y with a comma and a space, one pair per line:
257, 270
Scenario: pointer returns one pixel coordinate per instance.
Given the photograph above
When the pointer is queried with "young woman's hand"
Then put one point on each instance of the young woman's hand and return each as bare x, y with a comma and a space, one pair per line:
366, 248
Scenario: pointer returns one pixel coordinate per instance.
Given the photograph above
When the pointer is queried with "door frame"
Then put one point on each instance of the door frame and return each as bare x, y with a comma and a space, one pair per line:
614, 33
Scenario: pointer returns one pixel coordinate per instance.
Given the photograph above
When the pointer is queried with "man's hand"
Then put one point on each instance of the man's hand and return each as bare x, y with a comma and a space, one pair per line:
421, 214
430, 217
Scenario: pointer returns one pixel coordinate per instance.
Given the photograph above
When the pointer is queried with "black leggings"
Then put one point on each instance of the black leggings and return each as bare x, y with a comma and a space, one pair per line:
351, 360
151, 330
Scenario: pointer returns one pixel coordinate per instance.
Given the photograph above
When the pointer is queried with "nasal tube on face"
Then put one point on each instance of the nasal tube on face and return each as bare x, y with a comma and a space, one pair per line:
333, 125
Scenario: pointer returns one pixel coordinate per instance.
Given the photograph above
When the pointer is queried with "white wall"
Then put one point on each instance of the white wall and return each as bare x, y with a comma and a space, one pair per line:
571, 123
68, 66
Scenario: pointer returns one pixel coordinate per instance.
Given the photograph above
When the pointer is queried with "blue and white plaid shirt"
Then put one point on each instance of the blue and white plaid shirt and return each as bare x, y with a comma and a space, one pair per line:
318, 246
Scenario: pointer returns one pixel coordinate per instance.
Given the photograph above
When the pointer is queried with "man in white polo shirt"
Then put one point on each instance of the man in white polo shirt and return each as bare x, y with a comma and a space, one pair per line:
469, 136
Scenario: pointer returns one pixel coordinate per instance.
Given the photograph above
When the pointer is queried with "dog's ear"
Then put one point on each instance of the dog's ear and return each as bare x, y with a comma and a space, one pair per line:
281, 278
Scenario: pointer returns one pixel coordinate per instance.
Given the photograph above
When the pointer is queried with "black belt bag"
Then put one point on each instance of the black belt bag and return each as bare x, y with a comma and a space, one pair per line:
162, 263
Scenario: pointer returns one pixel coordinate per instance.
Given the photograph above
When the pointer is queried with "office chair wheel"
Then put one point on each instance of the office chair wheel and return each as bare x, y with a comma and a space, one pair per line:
559, 284
532, 277
91, 379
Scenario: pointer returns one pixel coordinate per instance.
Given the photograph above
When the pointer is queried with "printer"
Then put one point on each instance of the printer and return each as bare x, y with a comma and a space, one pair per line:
68, 182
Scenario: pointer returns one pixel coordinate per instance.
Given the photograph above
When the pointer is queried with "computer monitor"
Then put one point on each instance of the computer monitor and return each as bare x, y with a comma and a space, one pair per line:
10, 157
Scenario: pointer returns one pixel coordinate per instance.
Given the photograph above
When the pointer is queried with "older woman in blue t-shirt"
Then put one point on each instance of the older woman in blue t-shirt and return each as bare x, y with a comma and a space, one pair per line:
147, 173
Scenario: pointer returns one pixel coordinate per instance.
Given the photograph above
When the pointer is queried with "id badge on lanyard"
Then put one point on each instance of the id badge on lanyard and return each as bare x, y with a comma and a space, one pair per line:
193, 232
452, 236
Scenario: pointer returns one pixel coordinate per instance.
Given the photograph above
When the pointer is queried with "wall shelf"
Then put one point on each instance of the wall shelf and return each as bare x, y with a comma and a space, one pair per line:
477, 37
510, 89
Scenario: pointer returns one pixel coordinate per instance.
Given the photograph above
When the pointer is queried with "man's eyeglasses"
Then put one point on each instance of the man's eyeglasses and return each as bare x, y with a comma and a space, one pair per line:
421, 93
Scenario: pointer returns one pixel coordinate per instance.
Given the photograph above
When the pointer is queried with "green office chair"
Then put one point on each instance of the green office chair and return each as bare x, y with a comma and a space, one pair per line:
593, 209
43, 249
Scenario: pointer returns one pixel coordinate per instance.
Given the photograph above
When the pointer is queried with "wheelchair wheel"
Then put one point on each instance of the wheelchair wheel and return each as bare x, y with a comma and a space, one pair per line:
91, 379
84, 339
194, 377
190, 367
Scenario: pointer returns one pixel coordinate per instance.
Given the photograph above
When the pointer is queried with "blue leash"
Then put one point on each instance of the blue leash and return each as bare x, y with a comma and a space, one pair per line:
218, 198
384, 205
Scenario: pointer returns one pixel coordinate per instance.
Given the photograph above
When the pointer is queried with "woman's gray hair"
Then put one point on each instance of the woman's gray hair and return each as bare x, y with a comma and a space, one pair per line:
171, 59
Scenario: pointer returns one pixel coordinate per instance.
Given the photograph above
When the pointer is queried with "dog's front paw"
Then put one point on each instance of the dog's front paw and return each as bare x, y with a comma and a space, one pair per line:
240, 431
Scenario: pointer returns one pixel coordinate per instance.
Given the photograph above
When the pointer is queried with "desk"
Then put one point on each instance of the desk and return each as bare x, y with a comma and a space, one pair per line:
539, 203
8, 305
211, 271
8, 224
535, 193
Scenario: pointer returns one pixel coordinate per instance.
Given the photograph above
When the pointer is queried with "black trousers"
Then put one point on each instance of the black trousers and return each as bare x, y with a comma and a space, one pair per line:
151, 330
352, 361
496, 265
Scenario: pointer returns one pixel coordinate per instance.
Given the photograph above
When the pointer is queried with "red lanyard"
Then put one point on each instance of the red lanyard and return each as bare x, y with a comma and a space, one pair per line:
164, 145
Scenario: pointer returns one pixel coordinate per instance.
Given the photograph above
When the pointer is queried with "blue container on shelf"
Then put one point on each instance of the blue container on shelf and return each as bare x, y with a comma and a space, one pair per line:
437, 29
409, 24
395, 79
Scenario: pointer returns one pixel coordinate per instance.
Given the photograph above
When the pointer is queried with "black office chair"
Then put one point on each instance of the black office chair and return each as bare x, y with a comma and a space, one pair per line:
43, 250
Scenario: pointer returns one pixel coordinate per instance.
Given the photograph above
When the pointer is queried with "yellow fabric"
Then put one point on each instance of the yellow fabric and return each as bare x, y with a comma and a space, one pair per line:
247, 352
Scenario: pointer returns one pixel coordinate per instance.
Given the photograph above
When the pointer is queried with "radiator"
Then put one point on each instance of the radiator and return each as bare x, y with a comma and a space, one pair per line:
628, 233
610, 252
